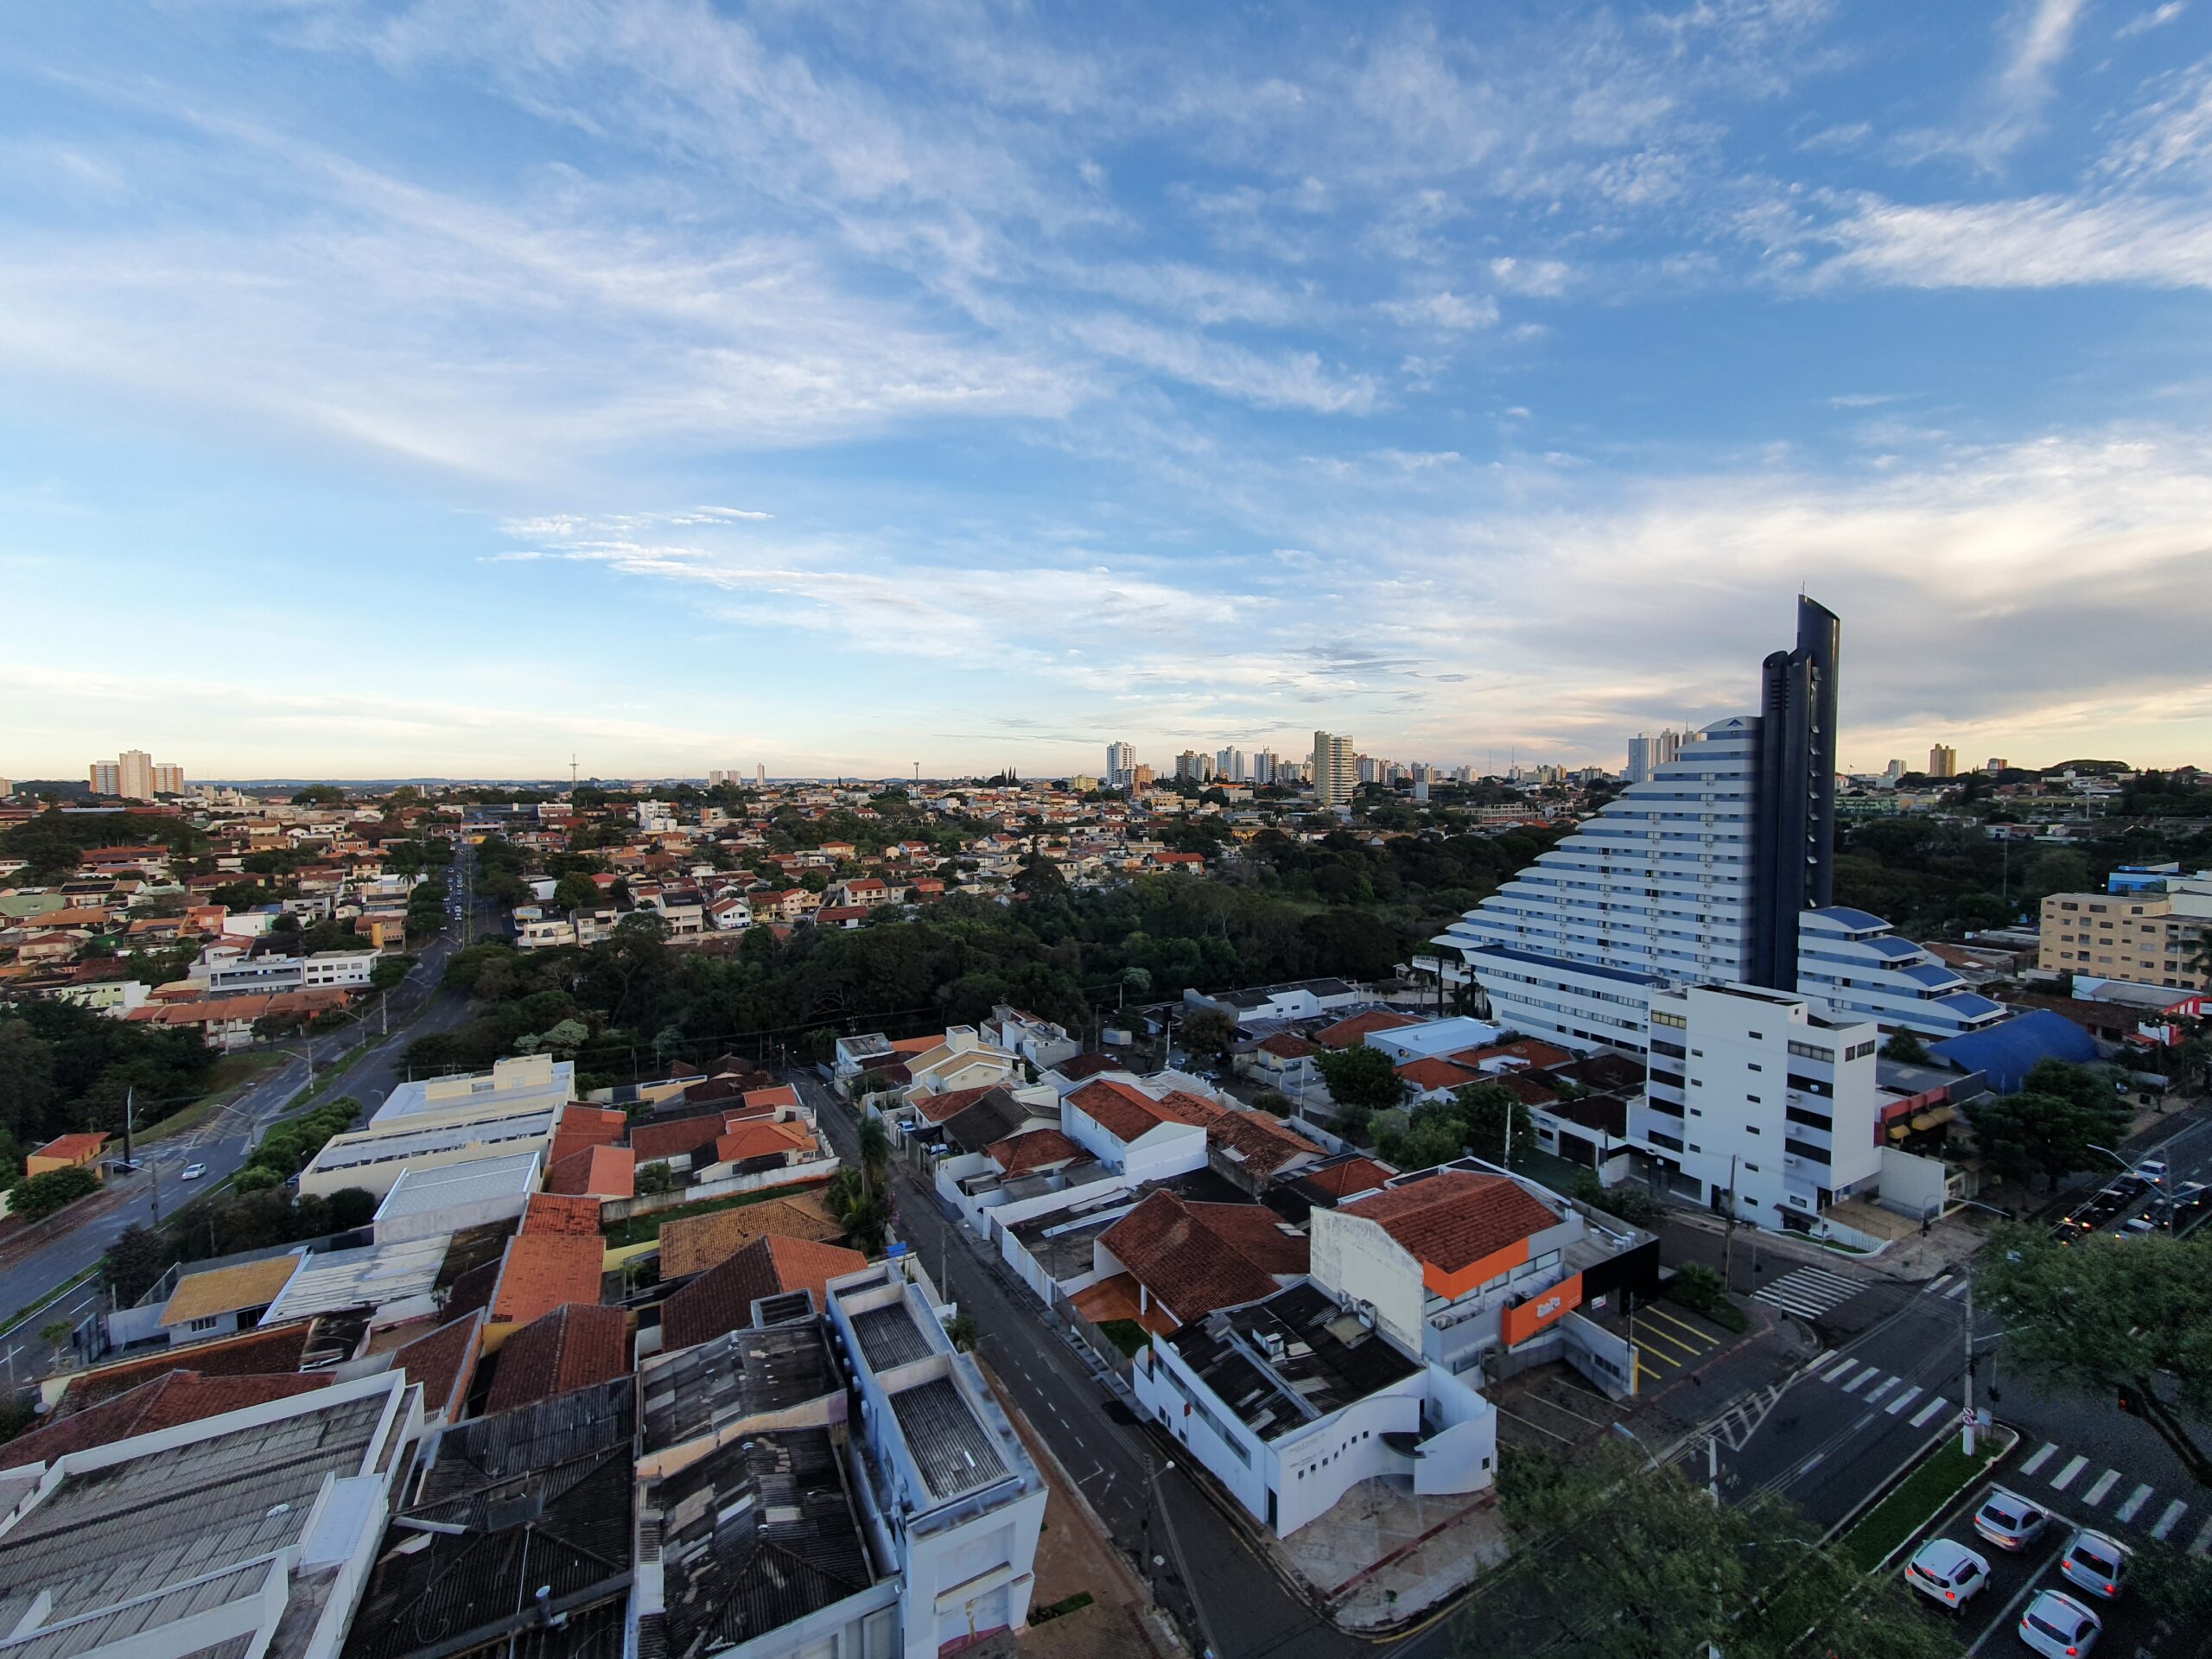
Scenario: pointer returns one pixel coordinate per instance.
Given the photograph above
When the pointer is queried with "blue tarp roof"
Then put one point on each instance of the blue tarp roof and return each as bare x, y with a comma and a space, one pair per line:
2006, 1052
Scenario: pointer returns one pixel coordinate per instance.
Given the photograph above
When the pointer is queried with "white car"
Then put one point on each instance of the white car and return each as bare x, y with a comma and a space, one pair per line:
2094, 1563
194, 1171
1947, 1573
2008, 1520
2060, 1626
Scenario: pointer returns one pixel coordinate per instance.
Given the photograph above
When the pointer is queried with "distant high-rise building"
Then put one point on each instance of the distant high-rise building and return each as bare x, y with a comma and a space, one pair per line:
1265, 765
135, 775
1892, 772
1121, 764
1233, 766
1141, 777
1335, 774
1646, 754
1995, 764
1942, 761
759, 776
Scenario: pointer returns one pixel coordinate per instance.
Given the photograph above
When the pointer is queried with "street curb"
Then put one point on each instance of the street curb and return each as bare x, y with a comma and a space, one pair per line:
1904, 1474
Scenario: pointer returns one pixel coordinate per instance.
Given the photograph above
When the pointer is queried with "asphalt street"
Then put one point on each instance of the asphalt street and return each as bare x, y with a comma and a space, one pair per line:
221, 1145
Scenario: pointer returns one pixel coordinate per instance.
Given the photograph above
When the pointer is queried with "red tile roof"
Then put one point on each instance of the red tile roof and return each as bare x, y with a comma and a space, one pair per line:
692, 1244
1285, 1045
75, 1147
582, 1127
444, 1363
1034, 1149
1352, 1032
257, 1353
576, 1346
652, 1142
1087, 1064
562, 1212
1128, 1114
1197, 1257
603, 1171
1259, 1142
1353, 1176
543, 1271
721, 1300
781, 1095
172, 1398
936, 1109
760, 1140
1436, 1074
1456, 1217
1530, 1051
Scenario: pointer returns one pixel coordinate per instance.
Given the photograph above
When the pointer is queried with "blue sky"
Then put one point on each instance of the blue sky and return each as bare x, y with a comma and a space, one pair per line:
446, 388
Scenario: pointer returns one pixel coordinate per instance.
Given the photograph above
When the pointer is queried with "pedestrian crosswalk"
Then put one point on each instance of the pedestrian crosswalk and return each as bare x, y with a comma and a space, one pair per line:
1875, 1387
1808, 1292
2049, 1464
1949, 1287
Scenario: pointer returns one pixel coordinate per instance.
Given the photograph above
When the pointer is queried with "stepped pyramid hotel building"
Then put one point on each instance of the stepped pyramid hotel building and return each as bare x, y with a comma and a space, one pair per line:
1718, 871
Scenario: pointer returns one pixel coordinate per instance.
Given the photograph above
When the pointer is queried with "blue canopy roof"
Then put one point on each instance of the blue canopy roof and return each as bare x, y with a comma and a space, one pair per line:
2006, 1052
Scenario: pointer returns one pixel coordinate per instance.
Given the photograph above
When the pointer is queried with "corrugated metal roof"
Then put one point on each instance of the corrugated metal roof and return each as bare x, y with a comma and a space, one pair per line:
503, 1175
368, 1277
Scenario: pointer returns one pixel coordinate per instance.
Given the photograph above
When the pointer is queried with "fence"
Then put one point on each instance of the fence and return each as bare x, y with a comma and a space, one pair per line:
1122, 1365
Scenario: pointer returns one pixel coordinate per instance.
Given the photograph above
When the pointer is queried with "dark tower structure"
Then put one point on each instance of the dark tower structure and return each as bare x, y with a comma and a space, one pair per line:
1793, 811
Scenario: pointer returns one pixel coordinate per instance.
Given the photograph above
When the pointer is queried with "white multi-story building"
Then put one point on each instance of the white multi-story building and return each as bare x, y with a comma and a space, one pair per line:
1854, 961
1761, 1094
1121, 764
1265, 766
1647, 754
1335, 774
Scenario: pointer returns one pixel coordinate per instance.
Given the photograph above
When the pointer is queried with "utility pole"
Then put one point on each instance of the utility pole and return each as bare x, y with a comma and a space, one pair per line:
1728, 1243
1966, 1422
129, 1100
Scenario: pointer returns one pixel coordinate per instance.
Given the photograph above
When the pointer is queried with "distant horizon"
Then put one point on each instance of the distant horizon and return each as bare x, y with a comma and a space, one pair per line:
478, 385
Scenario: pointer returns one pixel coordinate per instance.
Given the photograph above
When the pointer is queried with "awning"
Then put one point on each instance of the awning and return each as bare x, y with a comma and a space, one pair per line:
1935, 1118
1898, 1131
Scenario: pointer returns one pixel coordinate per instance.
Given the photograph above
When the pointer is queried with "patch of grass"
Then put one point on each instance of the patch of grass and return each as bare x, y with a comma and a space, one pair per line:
1700, 1289
1065, 1604
1125, 1334
234, 1073
639, 1230
1925, 1492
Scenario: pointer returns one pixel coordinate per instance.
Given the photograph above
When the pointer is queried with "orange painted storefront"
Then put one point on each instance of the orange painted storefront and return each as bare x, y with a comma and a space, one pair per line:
1519, 1324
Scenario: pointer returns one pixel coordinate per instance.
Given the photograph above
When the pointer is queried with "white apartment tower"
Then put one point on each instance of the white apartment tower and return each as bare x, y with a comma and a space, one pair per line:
1718, 869
1121, 764
1647, 754
1336, 775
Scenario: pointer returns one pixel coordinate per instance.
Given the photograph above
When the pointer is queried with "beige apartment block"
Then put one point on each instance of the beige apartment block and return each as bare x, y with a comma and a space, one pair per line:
2151, 938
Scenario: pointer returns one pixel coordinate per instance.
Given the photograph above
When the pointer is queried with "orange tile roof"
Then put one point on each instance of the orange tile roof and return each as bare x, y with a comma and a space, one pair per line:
172, 1398
577, 1346
1351, 1033
444, 1363
76, 1147
1531, 1050
255, 1353
1197, 1257
1128, 1114
653, 1142
603, 1171
1456, 1217
1436, 1074
760, 1140
1260, 1142
781, 1095
1034, 1149
583, 1127
562, 1212
694, 1244
543, 1271
1353, 1175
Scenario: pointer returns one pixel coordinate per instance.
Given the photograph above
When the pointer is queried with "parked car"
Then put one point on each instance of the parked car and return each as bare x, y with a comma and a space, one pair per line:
2008, 1520
2060, 1626
194, 1171
2096, 1564
1947, 1573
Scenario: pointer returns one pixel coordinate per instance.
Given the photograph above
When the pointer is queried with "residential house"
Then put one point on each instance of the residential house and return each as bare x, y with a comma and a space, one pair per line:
1184, 1260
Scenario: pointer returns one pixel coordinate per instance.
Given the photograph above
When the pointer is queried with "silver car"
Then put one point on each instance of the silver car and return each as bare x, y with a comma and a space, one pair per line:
2009, 1521
2060, 1627
2094, 1563
1947, 1572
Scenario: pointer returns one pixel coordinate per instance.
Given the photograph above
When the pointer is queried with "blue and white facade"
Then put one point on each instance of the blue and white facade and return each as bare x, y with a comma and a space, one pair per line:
1854, 961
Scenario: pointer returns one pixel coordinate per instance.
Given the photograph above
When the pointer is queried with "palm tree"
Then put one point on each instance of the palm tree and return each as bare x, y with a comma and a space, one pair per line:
875, 1151
859, 1211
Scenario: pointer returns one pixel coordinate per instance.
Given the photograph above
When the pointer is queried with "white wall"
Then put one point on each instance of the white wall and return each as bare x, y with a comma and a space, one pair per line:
1356, 1260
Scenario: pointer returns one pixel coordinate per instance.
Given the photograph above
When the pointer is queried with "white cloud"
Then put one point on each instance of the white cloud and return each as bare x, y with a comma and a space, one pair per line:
2042, 242
1451, 312
2155, 17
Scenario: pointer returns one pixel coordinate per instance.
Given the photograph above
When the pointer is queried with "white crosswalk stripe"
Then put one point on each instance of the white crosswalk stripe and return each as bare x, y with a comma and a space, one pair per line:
1862, 1379
2106, 1482
1881, 1388
2064, 1477
1930, 1412
1956, 1291
2042, 1456
2172, 1513
2202, 1544
2136, 1500
1839, 1369
1808, 1292
1938, 1282
1902, 1402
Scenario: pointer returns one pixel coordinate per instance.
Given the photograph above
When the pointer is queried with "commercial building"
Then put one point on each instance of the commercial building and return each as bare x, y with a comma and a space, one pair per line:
323, 970
1758, 1094
2135, 933
1718, 869
1336, 769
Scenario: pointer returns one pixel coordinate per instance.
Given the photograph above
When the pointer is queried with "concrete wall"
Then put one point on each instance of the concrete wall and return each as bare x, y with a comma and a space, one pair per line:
810, 1173
1913, 1186
1607, 1359
1355, 1259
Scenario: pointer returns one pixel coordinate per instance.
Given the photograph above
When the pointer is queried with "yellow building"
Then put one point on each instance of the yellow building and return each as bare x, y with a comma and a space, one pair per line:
2150, 938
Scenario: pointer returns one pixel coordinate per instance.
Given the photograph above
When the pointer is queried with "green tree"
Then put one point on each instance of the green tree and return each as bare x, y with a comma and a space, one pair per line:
350, 1207
28, 1094
139, 1256
1660, 1571
1360, 1079
875, 1154
963, 1330
38, 1196
1207, 1034
1488, 1109
1905, 1047
576, 891
2093, 1318
864, 1216
2053, 1127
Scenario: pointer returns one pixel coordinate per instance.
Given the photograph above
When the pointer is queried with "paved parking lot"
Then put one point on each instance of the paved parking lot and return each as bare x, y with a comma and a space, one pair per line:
1990, 1624
1670, 1340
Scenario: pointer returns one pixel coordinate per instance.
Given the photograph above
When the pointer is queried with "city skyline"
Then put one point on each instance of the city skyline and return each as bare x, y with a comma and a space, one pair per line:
479, 386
